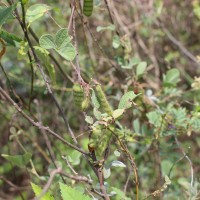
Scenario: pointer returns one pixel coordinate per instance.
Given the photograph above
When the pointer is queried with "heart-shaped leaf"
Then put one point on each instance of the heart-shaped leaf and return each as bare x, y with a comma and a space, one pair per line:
61, 43
47, 42
36, 11
62, 38
68, 52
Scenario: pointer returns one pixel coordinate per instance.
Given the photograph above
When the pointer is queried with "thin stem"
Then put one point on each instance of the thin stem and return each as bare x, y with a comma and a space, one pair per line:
38, 124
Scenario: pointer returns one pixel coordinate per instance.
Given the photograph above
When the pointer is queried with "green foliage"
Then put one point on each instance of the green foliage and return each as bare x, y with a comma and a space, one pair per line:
6, 13
141, 69
119, 194
18, 160
144, 117
172, 77
36, 11
69, 193
61, 43
117, 113
37, 190
9, 38
126, 100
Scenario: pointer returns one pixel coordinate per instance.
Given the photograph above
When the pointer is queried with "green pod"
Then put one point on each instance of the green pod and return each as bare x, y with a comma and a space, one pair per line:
78, 94
104, 105
85, 103
87, 7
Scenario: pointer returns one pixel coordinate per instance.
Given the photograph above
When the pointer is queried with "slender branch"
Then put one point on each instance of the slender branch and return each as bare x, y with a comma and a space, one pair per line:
59, 171
25, 30
132, 162
15, 187
10, 85
190, 162
178, 44
46, 187
38, 124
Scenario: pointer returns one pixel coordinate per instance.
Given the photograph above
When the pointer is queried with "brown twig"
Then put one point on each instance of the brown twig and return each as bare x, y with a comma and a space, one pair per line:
183, 49
132, 162
38, 124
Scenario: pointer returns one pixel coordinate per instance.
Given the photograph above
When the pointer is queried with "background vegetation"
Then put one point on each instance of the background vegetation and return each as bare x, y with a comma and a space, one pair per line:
103, 102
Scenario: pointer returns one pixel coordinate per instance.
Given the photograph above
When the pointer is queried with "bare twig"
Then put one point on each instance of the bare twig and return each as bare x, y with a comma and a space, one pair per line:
59, 171
190, 162
182, 48
69, 165
38, 124
46, 187
14, 187
132, 162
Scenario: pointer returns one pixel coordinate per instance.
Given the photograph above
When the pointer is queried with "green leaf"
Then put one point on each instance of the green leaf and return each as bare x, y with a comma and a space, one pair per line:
69, 193
116, 41
97, 113
167, 180
62, 38
172, 77
103, 28
18, 160
119, 194
89, 120
117, 163
47, 41
68, 52
117, 113
95, 101
61, 44
136, 126
36, 11
117, 153
10, 38
74, 157
106, 172
154, 118
6, 13
37, 190
125, 101
166, 166
141, 69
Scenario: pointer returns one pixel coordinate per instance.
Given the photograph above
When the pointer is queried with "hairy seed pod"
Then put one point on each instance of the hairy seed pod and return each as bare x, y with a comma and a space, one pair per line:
87, 7
78, 94
85, 103
104, 105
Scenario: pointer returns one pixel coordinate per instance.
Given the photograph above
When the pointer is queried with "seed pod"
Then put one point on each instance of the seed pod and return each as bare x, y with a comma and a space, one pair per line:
87, 7
78, 94
104, 105
85, 103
